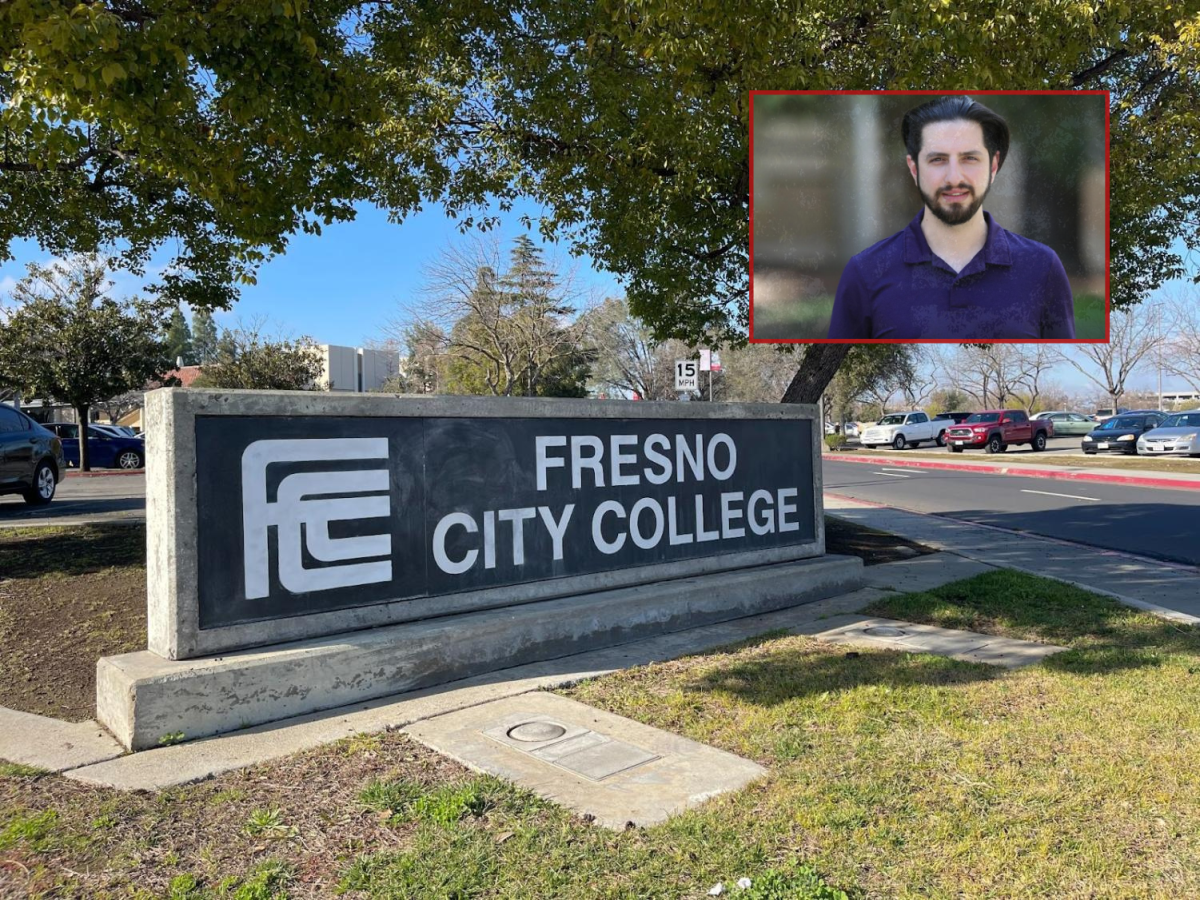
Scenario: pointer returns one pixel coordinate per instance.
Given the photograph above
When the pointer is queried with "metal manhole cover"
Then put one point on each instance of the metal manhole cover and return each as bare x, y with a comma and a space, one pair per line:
885, 631
536, 731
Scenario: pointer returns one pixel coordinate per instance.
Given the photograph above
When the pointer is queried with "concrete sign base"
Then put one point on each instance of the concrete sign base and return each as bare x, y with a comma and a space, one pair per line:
143, 698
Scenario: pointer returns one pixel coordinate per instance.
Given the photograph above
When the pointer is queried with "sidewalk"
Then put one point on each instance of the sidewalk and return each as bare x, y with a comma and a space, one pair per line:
999, 465
1168, 589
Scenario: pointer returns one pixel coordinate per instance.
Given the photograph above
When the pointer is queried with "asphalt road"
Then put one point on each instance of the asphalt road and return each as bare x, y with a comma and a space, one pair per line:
1154, 522
100, 498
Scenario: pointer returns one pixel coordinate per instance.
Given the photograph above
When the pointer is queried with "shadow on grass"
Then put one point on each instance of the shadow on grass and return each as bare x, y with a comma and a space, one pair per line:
815, 669
1102, 635
34, 552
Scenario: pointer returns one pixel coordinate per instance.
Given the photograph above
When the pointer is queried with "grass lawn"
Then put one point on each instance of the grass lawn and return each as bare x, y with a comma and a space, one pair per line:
808, 318
890, 775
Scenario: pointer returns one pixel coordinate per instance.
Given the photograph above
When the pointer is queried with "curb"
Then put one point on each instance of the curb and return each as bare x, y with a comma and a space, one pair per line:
71, 473
1139, 480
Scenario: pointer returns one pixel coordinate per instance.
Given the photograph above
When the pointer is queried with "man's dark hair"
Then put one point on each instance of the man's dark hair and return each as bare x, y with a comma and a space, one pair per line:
948, 109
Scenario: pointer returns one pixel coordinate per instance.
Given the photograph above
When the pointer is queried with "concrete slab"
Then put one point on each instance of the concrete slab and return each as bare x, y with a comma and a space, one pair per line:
52, 744
165, 767
923, 573
142, 697
622, 771
966, 646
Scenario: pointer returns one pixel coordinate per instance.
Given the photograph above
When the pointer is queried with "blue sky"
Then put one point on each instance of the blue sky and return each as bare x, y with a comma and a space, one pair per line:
342, 287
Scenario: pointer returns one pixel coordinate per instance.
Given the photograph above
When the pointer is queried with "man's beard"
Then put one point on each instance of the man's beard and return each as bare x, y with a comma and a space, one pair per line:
959, 212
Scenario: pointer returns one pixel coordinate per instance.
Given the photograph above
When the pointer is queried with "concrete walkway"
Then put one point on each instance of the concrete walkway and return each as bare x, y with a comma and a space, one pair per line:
1168, 589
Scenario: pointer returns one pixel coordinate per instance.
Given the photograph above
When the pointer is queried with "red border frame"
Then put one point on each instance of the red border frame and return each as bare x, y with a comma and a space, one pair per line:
1107, 224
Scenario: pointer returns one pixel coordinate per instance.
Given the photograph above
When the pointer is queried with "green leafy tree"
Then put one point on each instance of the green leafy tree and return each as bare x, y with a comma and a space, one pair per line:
230, 126
214, 129
204, 337
67, 340
246, 358
179, 338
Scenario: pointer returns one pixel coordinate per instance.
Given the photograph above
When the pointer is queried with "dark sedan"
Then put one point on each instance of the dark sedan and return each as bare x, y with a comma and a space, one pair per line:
1120, 433
31, 458
105, 450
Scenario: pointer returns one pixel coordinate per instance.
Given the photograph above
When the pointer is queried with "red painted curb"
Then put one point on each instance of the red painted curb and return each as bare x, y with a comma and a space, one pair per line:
1138, 480
71, 473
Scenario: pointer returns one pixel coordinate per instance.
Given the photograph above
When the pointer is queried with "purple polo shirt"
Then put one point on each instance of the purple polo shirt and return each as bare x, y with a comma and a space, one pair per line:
1014, 289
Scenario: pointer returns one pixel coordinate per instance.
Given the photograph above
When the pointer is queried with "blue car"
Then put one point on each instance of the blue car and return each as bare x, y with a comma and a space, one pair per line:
107, 451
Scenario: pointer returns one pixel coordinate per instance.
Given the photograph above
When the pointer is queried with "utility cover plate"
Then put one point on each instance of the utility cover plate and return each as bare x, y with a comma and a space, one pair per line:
606, 766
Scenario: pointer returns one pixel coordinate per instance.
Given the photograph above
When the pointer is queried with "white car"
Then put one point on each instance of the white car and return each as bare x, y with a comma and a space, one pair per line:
1178, 434
906, 429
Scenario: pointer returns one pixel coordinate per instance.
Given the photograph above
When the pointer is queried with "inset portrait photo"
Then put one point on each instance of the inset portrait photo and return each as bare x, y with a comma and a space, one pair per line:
929, 216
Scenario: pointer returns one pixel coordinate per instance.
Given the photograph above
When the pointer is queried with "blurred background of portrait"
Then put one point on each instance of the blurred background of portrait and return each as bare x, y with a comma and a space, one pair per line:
830, 180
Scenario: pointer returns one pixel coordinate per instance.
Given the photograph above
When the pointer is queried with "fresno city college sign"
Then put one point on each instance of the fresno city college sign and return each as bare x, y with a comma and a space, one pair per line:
280, 516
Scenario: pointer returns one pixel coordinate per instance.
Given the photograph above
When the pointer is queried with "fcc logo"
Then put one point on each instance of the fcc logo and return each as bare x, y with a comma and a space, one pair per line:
301, 519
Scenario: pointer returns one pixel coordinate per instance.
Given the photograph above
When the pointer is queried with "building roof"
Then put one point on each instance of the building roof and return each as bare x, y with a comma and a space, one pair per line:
186, 375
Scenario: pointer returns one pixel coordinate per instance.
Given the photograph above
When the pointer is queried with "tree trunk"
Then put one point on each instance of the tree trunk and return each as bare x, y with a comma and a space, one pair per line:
817, 368
85, 458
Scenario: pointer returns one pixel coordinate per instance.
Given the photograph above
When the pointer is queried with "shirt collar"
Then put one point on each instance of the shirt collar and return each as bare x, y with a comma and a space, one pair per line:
996, 251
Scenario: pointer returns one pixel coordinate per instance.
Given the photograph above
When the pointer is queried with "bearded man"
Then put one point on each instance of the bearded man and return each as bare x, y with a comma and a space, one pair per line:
954, 273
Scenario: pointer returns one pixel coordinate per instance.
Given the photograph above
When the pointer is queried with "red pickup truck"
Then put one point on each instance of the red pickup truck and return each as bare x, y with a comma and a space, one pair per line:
995, 429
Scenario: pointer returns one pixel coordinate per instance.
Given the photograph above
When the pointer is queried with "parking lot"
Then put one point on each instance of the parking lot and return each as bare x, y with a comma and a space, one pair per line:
93, 498
1064, 446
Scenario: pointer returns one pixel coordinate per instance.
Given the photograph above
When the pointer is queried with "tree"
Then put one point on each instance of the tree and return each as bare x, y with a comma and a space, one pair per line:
1179, 352
68, 340
507, 331
874, 371
204, 337
999, 375
947, 400
628, 359
628, 122
757, 373
246, 358
1132, 335
422, 360
214, 129
117, 407
179, 339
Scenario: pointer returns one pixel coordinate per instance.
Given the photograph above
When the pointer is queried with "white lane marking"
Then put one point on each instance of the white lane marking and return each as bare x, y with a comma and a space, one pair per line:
1068, 496
893, 474
885, 470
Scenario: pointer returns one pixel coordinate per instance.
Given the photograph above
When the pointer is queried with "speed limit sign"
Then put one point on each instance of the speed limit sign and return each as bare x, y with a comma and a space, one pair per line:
687, 374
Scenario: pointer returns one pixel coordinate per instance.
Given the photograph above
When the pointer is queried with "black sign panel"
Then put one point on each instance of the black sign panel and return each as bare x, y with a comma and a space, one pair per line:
301, 515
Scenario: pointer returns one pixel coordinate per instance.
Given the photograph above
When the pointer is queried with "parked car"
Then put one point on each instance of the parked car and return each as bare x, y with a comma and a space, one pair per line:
955, 417
996, 429
906, 429
115, 430
31, 458
1176, 434
106, 450
1106, 413
1120, 433
1066, 423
